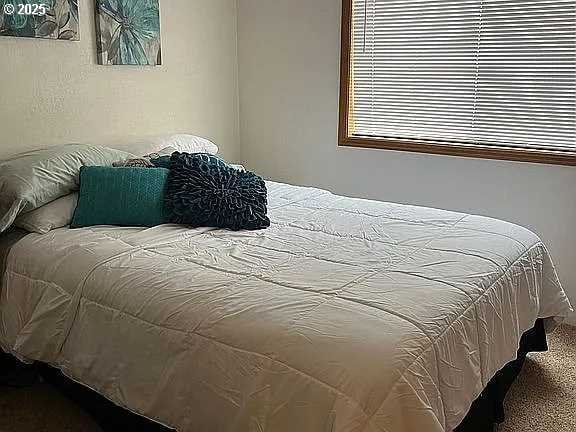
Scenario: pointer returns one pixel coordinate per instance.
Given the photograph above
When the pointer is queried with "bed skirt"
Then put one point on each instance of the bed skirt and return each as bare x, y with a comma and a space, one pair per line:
486, 411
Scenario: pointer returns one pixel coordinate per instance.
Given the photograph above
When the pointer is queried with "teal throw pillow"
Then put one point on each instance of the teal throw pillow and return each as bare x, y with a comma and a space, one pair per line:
121, 196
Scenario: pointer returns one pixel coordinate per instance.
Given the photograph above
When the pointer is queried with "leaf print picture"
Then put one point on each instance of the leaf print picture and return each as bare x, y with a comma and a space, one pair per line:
128, 32
47, 19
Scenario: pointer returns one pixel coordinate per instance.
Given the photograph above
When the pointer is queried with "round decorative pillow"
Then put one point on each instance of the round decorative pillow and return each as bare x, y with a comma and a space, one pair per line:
203, 190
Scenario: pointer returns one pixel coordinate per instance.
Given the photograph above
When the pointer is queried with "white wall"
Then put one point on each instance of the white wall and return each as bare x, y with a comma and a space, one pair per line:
54, 92
289, 81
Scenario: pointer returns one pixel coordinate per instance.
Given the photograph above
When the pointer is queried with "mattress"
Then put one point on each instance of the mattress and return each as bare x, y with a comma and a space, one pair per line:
346, 315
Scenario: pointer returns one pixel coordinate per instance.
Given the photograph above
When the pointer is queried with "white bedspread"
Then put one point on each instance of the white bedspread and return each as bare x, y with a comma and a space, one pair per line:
346, 315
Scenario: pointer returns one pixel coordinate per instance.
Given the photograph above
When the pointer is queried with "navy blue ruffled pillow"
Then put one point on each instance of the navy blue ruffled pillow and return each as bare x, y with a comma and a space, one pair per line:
204, 191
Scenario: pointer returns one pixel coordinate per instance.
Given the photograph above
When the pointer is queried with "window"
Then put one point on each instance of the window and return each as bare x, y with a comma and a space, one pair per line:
479, 78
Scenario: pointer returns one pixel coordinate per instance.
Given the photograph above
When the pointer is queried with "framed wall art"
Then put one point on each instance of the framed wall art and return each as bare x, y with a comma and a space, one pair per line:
46, 19
128, 32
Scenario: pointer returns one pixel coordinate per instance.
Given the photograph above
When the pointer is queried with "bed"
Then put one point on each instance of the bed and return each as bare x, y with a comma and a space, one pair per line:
346, 315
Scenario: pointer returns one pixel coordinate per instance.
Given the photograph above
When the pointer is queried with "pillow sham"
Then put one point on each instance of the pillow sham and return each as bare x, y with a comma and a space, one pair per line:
30, 180
203, 190
121, 196
179, 142
51, 216
185, 143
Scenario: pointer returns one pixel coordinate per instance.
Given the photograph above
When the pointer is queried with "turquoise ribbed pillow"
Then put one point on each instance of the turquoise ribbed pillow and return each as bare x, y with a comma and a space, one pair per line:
121, 196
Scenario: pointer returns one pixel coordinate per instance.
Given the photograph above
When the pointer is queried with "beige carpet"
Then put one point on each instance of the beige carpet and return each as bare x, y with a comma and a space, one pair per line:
543, 398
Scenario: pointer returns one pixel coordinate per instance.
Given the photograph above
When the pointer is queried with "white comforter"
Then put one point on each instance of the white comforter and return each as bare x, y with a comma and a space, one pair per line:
346, 315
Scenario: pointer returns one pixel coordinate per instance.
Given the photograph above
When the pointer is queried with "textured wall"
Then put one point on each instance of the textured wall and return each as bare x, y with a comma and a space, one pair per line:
289, 52
53, 92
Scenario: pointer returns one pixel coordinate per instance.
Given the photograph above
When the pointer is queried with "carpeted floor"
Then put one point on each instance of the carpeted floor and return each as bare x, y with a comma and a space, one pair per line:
543, 398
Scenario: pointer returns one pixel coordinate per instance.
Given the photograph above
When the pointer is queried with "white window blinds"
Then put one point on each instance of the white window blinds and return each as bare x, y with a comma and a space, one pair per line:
479, 72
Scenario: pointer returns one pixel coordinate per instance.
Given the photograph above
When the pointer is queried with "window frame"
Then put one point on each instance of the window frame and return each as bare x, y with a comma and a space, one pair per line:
437, 147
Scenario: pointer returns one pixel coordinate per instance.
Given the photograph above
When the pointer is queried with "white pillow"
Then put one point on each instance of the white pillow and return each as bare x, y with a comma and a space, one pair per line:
179, 142
33, 179
56, 214
188, 144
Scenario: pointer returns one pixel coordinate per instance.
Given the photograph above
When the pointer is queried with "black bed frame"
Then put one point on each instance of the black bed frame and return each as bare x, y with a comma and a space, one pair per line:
486, 412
